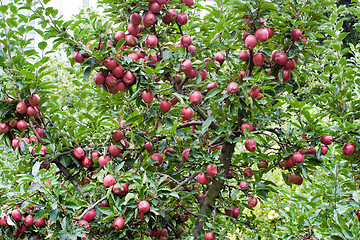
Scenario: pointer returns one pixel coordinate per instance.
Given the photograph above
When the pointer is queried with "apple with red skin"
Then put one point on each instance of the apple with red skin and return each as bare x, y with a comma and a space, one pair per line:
202, 178
289, 162
243, 185
192, 49
167, 150
118, 135
191, 74
220, 57
79, 153
248, 172
109, 180
232, 87
40, 222
99, 78
118, 71
290, 64
186, 40
245, 34
121, 86
348, 149
324, 150
187, 112
103, 160
271, 32
294, 179
149, 19
186, 66
133, 30
130, 41
209, 236
32, 111
90, 215
111, 81
78, 57
110, 63
157, 157
249, 126
195, 97
235, 212
86, 162
254, 92
121, 192
250, 145
281, 58
286, 75
144, 206
262, 34
155, 7
84, 222
244, 55
147, 96
185, 154
211, 170
263, 164
16, 214
251, 42
29, 220
259, 59
119, 35
21, 107
129, 77
165, 106
311, 151
3, 220
135, 19
151, 41
148, 146
182, 18
203, 73
13, 122
21, 125
296, 34
202, 196
298, 157
134, 57
4, 127
118, 223
326, 139
211, 86
114, 151
274, 54
252, 202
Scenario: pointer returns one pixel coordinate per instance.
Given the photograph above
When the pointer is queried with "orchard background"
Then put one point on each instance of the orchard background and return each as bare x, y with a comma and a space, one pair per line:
161, 123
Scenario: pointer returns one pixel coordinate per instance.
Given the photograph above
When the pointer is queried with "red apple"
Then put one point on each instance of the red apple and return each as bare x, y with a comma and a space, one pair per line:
326, 140
40, 222
211, 86
32, 111
235, 212
130, 41
135, 19
165, 106
149, 19
21, 107
248, 172
271, 32
192, 49
185, 154
118, 71
298, 157
251, 42
21, 125
79, 153
151, 41
78, 57
263, 164
121, 192
186, 40
348, 149
192, 73
4, 127
290, 64
144, 206
211, 170
203, 73
245, 34
220, 57
286, 75
281, 59
148, 146
99, 78
147, 96
129, 77
157, 157
259, 59
252, 202
232, 88
86, 162
324, 150
109, 180
119, 35
243, 185
29, 220
90, 215
244, 55
118, 135
209, 236
155, 7
274, 54
168, 150
119, 223
202, 178
250, 145
187, 112
249, 126
195, 97
114, 151
254, 92
110, 63
262, 34
296, 34
34, 100
186, 66
103, 160
111, 81
16, 214
182, 18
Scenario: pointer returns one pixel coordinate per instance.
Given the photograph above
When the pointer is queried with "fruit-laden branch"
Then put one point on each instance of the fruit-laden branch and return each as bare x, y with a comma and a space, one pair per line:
35, 132
89, 208
185, 182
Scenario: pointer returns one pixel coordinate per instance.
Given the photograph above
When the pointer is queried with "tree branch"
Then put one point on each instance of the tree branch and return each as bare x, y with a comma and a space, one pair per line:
89, 208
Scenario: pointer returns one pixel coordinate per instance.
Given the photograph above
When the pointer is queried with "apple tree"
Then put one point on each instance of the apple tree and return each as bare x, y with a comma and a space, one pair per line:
169, 119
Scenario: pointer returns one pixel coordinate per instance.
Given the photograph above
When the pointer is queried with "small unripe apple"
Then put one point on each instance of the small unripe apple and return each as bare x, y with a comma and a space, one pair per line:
165, 106
118, 223
157, 157
147, 96
232, 88
129, 77
151, 41
262, 34
220, 57
40, 222
209, 236
148, 146
34, 100
99, 78
16, 214
211, 170
296, 34
109, 180
251, 42
281, 59
135, 19
348, 149
86, 162
149, 19
29, 220
252, 202
250, 145
202, 178
21, 107
244, 55
182, 18
186, 66
326, 139
90, 215
110, 63
79, 153
187, 112
144, 206
78, 57
259, 59
298, 157
243, 185
186, 40
195, 97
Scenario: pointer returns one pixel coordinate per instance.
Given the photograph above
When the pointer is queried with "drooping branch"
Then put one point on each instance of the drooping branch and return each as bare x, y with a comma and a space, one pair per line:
90, 207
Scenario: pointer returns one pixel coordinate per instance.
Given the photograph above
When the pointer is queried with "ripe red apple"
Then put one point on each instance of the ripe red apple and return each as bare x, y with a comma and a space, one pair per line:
232, 88
192, 73
192, 49
144, 206
78, 57
235, 212
259, 59
220, 57
151, 41
298, 157
32, 111
29, 220
245, 34
182, 18
324, 150
250, 145
195, 97
271, 32
130, 41
16, 214
251, 42
185, 154
326, 139
186, 66
281, 59
211, 170
86, 162
248, 172
147, 96
188, 3
202, 178
289, 162
40, 222
311, 151
118, 135
186, 40
21, 107
163, 232
99, 78
262, 34
110, 63
286, 75
274, 54
187, 112
165, 106
111, 81
249, 126
149, 19
348, 149
155, 7
148, 146
254, 92
90, 215
157, 157
135, 19
243, 185
167, 150
252, 202
40, 131
109, 180
84, 222
119, 223
244, 55
103, 160
119, 35
203, 73
13, 122
114, 151
121, 192
129, 77
211, 86
290, 64
296, 34
34, 100
21, 125
4, 127
133, 30
263, 164
79, 153
209, 236
118, 71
